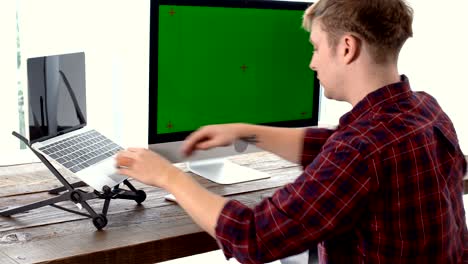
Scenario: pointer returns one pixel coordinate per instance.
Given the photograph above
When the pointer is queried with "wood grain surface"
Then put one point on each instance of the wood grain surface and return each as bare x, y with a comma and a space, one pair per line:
155, 231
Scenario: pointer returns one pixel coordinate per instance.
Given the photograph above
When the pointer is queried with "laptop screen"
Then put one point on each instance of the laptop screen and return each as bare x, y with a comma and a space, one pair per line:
56, 94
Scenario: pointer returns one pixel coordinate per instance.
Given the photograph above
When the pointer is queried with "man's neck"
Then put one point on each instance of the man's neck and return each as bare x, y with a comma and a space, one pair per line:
367, 81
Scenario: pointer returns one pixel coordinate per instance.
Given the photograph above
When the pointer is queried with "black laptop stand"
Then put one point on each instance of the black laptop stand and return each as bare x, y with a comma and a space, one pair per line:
70, 192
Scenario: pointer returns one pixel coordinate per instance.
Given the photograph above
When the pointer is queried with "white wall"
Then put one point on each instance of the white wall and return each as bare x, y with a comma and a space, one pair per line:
115, 38
435, 60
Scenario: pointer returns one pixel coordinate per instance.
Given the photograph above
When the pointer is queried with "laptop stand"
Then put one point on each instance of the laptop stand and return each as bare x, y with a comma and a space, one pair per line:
70, 192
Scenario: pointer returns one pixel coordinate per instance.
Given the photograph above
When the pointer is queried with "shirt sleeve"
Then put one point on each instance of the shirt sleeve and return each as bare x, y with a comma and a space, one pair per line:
314, 140
322, 203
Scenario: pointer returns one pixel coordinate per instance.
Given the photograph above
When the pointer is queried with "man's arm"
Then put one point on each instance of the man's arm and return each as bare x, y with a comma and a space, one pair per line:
314, 139
287, 143
298, 145
284, 142
150, 168
325, 197
202, 205
205, 207
323, 202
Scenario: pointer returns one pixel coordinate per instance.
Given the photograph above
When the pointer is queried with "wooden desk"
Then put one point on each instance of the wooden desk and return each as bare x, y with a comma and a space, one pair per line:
155, 231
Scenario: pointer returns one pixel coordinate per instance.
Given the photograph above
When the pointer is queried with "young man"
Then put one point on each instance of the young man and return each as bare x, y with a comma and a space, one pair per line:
384, 187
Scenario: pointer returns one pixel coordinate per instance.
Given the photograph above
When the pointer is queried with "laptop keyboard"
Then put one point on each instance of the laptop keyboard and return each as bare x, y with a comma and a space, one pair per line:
81, 151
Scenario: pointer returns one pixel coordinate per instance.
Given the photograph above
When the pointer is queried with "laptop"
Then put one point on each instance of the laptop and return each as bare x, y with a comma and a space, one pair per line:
57, 120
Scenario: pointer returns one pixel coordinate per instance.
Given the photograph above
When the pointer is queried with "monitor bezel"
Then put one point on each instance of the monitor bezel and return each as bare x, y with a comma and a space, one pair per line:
153, 136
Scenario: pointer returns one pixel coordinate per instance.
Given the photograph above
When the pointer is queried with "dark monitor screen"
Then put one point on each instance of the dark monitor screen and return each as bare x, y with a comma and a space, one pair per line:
223, 61
56, 95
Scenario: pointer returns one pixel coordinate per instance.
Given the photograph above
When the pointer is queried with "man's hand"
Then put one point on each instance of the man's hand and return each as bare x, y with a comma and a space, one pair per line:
211, 136
145, 166
150, 168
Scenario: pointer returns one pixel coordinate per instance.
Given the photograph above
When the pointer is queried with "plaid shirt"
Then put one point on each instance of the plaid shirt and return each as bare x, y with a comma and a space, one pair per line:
384, 187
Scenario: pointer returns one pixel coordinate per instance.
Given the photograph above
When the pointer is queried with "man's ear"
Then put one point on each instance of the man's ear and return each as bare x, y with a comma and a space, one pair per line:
351, 48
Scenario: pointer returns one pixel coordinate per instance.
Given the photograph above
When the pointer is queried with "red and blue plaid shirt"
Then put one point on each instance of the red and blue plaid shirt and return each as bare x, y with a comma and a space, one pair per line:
384, 187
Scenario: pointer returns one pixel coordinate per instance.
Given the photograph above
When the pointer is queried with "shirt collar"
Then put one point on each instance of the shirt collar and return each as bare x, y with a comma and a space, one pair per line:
384, 95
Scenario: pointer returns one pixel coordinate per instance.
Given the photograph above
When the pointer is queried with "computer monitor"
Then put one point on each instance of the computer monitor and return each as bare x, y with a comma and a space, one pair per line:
224, 61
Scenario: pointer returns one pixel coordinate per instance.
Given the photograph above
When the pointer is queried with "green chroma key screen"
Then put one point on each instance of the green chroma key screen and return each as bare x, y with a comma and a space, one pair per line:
221, 65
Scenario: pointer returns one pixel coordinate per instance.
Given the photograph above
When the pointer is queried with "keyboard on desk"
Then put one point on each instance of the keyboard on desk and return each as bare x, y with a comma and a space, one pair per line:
81, 151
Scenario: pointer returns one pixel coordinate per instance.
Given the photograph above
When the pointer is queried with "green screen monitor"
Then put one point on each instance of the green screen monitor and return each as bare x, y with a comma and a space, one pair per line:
226, 61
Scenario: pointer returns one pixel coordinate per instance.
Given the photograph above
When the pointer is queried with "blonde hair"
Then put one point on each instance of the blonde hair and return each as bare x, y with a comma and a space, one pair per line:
384, 25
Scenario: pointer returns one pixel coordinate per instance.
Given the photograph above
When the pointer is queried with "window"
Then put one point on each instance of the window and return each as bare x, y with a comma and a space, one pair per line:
9, 81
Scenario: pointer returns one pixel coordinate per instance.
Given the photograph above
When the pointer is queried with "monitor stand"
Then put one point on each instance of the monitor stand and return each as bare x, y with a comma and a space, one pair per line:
224, 171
